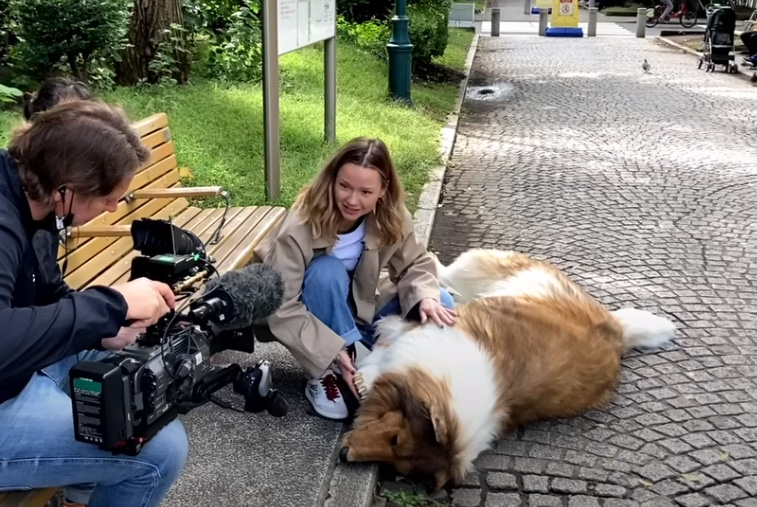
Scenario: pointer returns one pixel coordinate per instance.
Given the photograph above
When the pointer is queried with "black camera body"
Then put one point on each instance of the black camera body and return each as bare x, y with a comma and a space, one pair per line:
120, 402
169, 254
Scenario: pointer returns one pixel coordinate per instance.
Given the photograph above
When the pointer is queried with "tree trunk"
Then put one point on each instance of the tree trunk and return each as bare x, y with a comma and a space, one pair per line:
148, 31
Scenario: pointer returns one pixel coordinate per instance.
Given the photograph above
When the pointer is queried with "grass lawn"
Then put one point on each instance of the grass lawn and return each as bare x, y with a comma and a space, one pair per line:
218, 127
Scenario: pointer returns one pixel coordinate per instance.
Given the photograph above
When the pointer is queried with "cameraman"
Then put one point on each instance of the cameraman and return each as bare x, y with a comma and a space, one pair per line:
72, 163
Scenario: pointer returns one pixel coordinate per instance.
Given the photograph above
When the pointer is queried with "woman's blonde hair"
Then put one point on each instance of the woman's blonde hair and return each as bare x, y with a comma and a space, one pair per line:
317, 204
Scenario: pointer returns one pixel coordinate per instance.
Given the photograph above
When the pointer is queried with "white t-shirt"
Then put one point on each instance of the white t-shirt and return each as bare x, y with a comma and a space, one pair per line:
349, 246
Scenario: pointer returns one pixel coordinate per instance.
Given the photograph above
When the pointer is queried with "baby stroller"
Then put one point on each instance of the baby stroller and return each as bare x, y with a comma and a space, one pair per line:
719, 44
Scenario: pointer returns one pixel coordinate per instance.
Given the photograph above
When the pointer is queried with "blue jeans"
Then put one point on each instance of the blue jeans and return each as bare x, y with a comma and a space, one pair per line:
38, 449
326, 294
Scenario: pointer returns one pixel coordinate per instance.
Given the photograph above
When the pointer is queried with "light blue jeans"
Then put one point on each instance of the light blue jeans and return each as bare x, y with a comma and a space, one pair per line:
38, 449
326, 294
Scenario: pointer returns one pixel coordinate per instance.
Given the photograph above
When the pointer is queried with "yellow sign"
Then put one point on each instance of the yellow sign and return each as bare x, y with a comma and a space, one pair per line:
565, 14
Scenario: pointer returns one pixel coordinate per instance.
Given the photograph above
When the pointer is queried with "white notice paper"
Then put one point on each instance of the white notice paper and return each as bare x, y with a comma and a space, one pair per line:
305, 22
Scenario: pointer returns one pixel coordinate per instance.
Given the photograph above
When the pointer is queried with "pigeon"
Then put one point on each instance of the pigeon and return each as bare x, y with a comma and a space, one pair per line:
646, 66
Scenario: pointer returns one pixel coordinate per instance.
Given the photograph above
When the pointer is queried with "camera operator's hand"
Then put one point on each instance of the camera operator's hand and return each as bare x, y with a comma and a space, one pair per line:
126, 336
147, 300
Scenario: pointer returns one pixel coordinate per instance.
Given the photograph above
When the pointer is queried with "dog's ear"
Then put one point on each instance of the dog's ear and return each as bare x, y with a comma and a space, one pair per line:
439, 423
422, 415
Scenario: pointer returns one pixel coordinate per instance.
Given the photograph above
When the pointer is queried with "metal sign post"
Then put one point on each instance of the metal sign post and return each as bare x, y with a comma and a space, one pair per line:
289, 25
271, 113
329, 93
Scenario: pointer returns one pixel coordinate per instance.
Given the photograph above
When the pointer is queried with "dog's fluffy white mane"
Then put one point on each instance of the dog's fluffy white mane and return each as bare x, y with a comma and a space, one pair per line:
440, 352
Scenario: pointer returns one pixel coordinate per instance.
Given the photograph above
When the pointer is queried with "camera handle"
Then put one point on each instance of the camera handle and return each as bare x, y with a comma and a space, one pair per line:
254, 384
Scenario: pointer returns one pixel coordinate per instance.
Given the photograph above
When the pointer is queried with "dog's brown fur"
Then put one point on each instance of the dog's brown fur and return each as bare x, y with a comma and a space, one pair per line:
554, 356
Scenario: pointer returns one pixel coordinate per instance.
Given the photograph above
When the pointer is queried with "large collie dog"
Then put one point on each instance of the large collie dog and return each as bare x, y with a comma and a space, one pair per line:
529, 345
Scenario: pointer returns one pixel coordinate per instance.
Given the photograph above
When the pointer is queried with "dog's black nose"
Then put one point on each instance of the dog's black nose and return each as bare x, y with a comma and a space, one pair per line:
343, 454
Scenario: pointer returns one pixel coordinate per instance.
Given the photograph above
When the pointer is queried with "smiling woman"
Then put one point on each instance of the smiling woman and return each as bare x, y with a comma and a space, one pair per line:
345, 228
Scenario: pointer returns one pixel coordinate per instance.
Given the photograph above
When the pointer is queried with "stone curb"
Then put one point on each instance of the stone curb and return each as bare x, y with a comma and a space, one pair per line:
739, 72
353, 485
679, 46
696, 53
428, 202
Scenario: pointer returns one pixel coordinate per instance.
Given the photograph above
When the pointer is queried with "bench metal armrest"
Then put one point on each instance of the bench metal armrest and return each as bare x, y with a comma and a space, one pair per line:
100, 231
156, 193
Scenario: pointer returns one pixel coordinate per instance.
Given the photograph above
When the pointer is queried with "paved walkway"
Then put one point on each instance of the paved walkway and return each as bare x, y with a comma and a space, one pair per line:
634, 185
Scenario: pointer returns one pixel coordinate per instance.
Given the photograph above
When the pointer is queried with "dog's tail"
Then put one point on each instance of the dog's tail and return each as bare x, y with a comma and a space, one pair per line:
440, 268
643, 329
442, 274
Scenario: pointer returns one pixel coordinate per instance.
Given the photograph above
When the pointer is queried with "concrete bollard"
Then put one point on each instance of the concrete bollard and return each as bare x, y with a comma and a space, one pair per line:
526, 6
543, 20
592, 30
592, 3
495, 22
641, 22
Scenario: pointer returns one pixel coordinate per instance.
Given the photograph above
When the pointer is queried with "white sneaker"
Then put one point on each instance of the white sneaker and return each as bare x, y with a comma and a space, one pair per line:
323, 394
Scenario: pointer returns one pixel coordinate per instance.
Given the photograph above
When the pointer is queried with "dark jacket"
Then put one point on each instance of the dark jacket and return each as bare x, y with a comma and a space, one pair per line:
41, 319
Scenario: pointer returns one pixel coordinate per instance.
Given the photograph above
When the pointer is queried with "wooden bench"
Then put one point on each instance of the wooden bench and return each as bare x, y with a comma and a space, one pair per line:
100, 251
31, 498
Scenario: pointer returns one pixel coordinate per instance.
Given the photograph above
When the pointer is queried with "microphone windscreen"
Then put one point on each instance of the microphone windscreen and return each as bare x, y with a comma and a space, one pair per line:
256, 291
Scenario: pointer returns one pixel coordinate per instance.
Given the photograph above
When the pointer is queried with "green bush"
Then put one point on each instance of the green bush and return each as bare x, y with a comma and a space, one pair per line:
237, 54
226, 37
429, 20
75, 32
370, 36
429, 32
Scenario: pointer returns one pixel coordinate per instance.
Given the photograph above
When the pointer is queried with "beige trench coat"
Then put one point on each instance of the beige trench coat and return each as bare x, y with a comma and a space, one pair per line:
290, 248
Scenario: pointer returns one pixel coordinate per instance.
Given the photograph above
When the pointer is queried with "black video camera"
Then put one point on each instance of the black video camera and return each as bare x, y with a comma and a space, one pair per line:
169, 254
122, 401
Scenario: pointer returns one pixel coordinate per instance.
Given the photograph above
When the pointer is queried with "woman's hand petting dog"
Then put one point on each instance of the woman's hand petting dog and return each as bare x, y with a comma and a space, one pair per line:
126, 336
430, 308
348, 370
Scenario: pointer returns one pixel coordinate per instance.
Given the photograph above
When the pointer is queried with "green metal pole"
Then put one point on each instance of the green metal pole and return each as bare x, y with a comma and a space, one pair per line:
400, 55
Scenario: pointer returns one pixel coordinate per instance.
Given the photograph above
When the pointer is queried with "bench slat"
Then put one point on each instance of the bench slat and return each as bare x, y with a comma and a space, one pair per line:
153, 172
157, 138
150, 124
243, 253
165, 150
234, 235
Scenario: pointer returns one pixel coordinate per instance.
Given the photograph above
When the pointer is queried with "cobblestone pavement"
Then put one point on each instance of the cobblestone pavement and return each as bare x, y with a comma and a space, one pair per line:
642, 187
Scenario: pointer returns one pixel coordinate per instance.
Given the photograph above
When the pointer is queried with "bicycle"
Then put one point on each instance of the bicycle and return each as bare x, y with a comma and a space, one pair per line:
685, 16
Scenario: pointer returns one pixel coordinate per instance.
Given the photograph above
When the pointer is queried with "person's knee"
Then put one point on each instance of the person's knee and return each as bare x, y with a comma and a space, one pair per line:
326, 275
168, 451
446, 298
